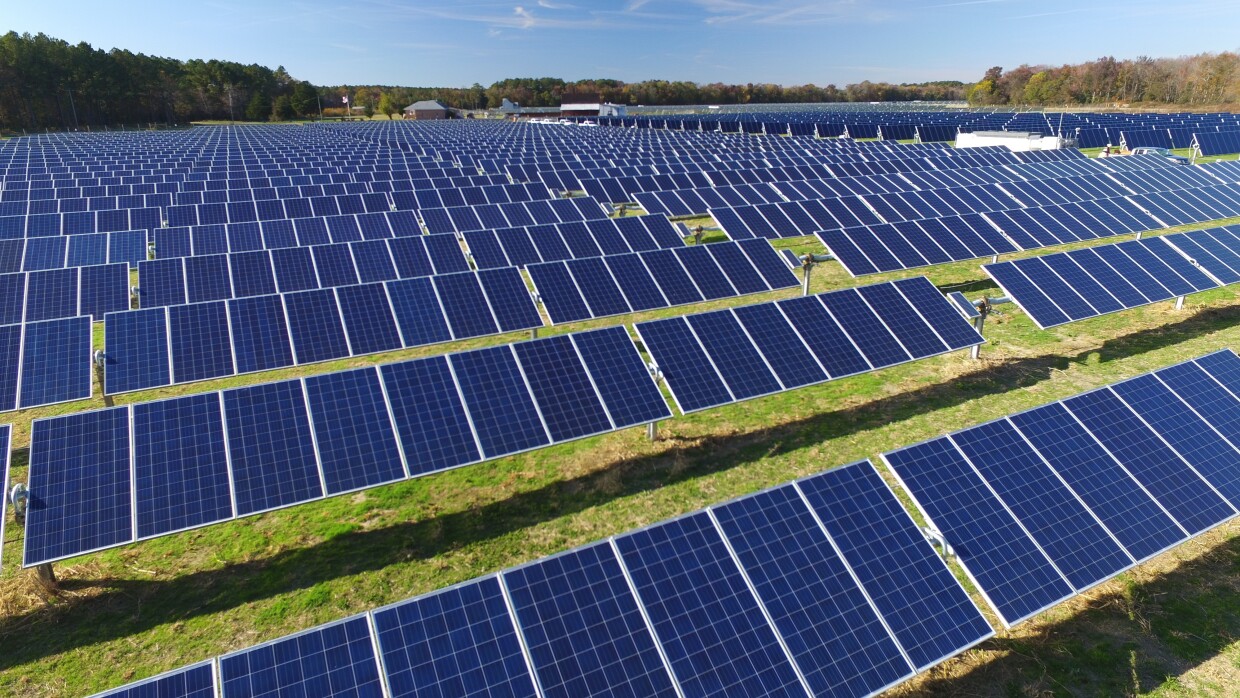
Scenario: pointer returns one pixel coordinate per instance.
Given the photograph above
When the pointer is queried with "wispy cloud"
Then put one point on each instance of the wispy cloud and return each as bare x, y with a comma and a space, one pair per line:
790, 12
555, 5
351, 48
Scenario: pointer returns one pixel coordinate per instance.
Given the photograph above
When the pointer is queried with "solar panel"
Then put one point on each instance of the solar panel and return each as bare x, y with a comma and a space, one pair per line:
566, 398
104, 289
55, 361
864, 327
583, 628
353, 430
465, 305
181, 477
207, 279
558, 292
716, 639
620, 376
315, 326
456, 642
252, 274
260, 337
429, 416
334, 265
10, 365
733, 355
294, 269
200, 343
368, 318
337, 659
694, 382
79, 476
501, 410
136, 351
639, 288
270, 447
51, 294
509, 299
195, 681
418, 312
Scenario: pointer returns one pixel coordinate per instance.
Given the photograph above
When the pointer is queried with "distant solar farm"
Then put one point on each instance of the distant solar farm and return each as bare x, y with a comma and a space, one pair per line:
213, 327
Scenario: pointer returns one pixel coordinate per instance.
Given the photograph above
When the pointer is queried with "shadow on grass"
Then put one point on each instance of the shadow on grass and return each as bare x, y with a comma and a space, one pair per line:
129, 607
1127, 641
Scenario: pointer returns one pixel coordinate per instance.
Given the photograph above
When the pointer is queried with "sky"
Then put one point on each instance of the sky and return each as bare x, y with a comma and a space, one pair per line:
439, 43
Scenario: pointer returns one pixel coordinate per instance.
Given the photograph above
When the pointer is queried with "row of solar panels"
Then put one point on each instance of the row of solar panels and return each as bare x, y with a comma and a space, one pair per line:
206, 179
1069, 286
41, 254
1216, 143
64, 293
820, 587
1045, 504
71, 513
823, 586
43, 363
521, 246
439, 220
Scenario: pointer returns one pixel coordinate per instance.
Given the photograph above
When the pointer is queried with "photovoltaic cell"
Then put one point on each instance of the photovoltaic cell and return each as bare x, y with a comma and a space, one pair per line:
429, 415
10, 364
260, 336
196, 681
734, 356
780, 345
332, 661
79, 478
200, 343
562, 388
921, 602
583, 627
368, 319
271, 447
864, 327
315, 326
51, 294
509, 299
694, 382
465, 305
207, 279
352, 429
456, 642
621, 377
180, 467
105, 289
830, 345
418, 313
710, 626
136, 350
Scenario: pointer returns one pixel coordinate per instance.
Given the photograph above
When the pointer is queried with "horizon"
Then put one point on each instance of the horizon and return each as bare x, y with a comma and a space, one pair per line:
784, 42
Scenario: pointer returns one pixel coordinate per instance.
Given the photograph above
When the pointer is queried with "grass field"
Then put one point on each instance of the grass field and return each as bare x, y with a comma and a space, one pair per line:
1168, 628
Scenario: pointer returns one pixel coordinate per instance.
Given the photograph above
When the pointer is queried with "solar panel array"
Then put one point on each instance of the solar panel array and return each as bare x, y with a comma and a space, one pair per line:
522, 246
1044, 504
601, 286
823, 586
1070, 286
113, 476
200, 341
63, 293
1216, 143
716, 358
39, 254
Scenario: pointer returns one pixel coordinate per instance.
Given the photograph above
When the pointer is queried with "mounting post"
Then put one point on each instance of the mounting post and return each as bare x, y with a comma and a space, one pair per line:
533, 333
994, 259
1138, 237
936, 538
46, 576
652, 431
1179, 303
98, 360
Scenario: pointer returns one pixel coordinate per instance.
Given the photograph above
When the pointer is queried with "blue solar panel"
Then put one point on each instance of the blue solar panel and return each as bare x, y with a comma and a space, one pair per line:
566, 398
733, 355
352, 429
409, 255
51, 294
161, 283
197, 681
430, 418
252, 274
465, 305
1213, 458
445, 254
55, 363
1159, 470
89, 250
45, 253
922, 603
1210, 400
271, 447
180, 468
136, 351
693, 381
864, 328
829, 344
105, 289
558, 292
315, 326
294, 270
780, 345
374, 261
334, 265
737, 267
260, 338
10, 354
1135, 519
207, 279
200, 344
509, 299
835, 636
79, 485
1082, 550
12, 298
622, 379
712, 631
418, 313
1015, 575
368, 319
333, 661
127, 246
937, 310
499, 404
671, 277
583, 628
457, 642
705, 273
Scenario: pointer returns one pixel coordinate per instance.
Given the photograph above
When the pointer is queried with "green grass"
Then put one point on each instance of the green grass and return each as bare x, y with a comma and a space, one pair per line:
1168, 627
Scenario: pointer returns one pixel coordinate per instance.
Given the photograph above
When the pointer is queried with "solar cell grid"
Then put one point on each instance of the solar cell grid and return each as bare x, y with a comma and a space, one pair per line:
200, 342
502, 413
353, 431
271, 448
55, 361
334, 661
195, 681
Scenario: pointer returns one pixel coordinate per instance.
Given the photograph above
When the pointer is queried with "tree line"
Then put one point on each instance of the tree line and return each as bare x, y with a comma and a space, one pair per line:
1200, 81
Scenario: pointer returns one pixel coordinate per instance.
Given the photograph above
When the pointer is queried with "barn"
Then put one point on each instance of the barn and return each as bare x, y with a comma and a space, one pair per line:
426, 109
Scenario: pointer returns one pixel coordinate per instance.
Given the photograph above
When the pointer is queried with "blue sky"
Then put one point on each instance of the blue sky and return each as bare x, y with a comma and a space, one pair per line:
453, 44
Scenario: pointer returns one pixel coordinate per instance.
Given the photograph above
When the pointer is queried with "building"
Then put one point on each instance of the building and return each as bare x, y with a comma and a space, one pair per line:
426, 109
1016, 141
572, 104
